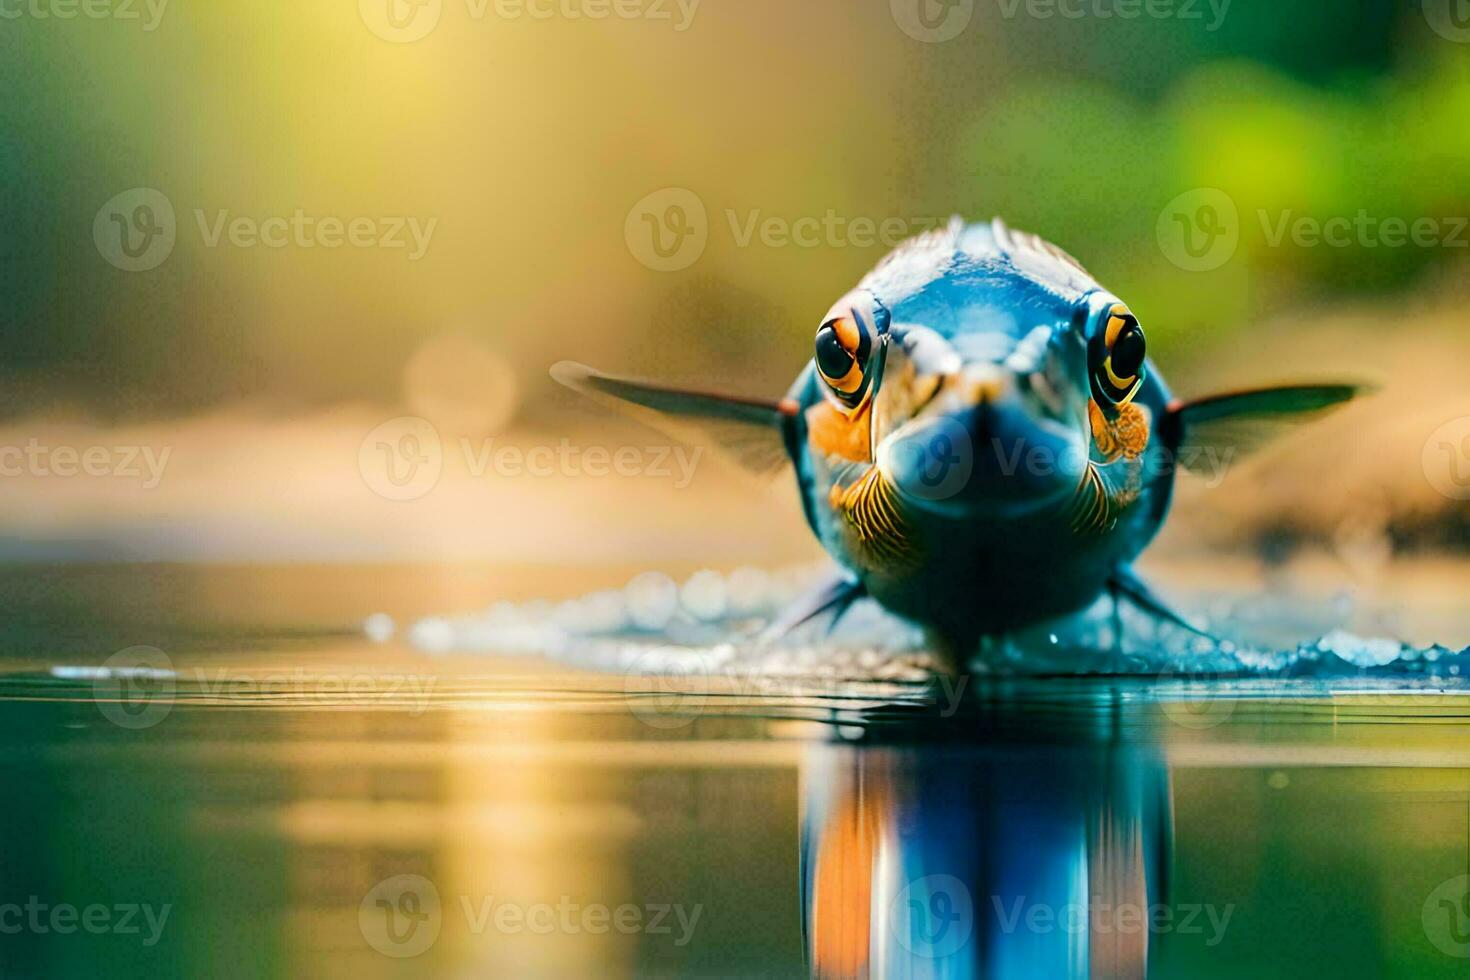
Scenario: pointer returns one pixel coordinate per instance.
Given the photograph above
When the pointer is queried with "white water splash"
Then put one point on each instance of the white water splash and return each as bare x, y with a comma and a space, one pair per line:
711, 623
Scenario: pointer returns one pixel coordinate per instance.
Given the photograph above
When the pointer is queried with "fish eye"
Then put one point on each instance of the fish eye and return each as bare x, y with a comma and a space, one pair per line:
1128, 353
834, 358
1119, 351
847, 347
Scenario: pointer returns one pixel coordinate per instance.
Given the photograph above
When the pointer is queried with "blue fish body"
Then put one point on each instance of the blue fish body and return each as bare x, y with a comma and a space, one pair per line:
980, 441
992, 519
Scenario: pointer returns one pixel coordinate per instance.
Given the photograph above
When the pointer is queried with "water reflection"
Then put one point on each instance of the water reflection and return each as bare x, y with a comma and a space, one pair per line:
1048, 829
976, 861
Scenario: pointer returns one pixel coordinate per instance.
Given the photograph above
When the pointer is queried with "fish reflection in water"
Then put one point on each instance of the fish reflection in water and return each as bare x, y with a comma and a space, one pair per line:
976, 862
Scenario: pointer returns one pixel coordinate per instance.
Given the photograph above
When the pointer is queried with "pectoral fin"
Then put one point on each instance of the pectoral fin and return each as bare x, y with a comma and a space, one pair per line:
1223, 427
748, 429
1126, 583
833, 594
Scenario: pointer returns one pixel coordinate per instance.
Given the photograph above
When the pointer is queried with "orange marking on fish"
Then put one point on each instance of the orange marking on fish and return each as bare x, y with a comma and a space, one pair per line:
880, 534
847, 335
834, 434
1127, 435
988, 390
851, 381
1115, 327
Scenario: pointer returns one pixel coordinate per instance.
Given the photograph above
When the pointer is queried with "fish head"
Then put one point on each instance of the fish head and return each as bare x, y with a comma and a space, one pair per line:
996, 420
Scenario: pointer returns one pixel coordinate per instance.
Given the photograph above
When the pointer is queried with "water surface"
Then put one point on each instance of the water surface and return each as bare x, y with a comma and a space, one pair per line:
293, 800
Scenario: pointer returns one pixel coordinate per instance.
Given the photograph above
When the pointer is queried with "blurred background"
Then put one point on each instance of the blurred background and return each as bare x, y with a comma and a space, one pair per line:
243, 247
280, 283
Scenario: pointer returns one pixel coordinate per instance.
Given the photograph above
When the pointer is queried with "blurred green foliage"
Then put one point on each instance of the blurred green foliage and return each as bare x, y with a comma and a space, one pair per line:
530, 142
1282, 149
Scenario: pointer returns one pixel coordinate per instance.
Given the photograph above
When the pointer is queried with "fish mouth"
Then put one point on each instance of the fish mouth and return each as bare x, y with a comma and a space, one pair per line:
987, 450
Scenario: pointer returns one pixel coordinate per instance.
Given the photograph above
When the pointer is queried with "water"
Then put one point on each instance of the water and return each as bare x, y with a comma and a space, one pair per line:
213, 773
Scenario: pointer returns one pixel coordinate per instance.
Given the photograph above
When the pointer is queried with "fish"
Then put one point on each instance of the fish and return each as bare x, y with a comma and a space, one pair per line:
980, 439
